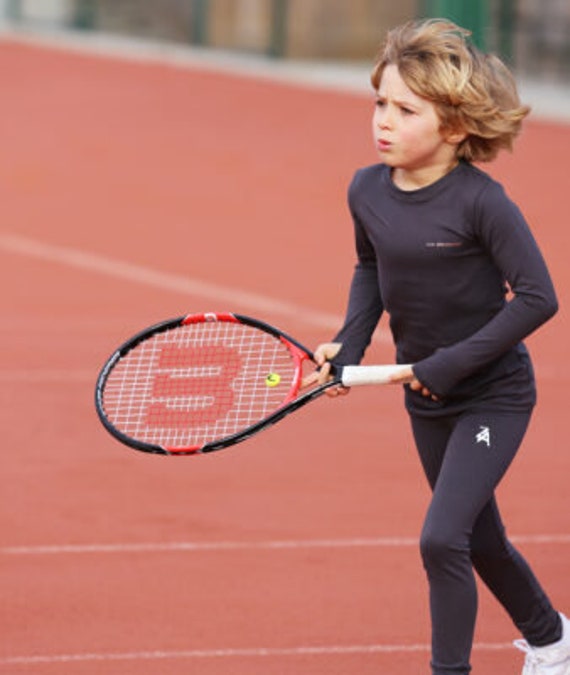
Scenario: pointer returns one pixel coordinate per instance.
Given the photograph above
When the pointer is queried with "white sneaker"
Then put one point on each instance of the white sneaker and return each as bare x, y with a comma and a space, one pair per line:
553, 659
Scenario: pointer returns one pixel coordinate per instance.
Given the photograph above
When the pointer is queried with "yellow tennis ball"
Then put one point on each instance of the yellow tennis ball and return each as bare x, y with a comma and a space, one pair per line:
273, 379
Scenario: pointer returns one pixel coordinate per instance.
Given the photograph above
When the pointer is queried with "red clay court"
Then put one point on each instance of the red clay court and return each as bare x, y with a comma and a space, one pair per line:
133, 192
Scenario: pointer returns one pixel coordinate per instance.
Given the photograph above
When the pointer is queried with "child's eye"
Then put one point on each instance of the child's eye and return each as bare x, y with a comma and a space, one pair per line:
406, 111
380, 103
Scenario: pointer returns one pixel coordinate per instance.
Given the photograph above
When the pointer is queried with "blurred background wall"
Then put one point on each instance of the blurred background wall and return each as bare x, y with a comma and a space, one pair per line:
532, 35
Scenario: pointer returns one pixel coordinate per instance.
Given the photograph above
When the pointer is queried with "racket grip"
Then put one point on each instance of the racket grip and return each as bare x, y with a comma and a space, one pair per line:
357, 375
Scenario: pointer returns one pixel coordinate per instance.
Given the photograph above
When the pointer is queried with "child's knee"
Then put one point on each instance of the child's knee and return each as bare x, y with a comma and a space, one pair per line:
439, 549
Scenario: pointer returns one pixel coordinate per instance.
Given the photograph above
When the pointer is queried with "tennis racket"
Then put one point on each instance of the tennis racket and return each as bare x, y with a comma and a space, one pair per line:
203, 382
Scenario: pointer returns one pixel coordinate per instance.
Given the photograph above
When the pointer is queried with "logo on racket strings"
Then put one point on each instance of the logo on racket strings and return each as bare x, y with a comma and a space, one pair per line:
193, 386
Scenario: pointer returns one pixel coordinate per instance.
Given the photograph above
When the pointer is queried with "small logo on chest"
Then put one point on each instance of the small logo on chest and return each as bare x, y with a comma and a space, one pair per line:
443, 244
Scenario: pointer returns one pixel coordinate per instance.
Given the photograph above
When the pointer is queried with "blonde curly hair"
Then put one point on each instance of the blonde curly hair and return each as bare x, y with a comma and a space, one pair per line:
473, 93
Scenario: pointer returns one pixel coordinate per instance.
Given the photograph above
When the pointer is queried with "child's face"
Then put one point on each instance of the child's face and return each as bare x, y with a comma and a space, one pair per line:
406, 128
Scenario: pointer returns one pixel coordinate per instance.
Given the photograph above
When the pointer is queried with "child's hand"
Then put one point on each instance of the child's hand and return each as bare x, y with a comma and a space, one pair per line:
323, 355
408, 377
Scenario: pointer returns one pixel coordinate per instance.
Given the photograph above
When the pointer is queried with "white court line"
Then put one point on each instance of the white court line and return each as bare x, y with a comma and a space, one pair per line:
120, 269
325, 650
341, 76
213, 546
256, 652
549, 100
232, 297
46, 376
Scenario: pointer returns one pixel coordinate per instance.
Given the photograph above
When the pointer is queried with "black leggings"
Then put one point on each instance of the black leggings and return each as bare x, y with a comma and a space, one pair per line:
464, 458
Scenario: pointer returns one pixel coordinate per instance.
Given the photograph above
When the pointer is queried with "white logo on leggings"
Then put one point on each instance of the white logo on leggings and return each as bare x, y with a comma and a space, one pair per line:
483, 436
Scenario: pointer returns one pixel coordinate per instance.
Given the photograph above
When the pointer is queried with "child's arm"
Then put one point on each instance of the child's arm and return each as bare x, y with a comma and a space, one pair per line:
504, 232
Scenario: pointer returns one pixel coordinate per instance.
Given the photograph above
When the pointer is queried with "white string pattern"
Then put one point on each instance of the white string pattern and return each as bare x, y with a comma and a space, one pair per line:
197, 383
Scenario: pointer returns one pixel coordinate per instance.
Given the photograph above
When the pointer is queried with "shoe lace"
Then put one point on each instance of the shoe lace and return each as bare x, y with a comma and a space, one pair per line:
532, 660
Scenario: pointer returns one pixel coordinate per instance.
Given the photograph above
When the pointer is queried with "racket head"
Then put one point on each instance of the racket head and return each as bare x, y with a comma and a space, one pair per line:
199, 383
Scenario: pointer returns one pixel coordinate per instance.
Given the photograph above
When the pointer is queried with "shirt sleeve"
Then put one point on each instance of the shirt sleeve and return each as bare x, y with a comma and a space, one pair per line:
365, 304
504, 233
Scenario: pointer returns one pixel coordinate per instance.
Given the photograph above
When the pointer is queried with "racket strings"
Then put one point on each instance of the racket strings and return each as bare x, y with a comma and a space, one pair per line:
196, 383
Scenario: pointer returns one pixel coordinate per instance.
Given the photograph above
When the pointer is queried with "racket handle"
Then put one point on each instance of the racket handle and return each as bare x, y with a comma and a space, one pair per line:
358, 375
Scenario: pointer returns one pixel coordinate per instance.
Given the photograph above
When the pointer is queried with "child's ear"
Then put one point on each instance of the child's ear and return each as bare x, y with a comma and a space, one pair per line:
454, 137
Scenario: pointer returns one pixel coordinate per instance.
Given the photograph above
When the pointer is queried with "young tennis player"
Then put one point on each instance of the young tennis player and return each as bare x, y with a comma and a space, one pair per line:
445, 252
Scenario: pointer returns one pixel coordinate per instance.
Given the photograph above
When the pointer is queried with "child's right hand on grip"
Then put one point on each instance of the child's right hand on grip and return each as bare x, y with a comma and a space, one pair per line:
323, 355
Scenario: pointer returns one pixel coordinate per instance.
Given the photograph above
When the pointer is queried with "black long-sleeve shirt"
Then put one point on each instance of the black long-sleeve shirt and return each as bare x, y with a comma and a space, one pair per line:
441, 261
